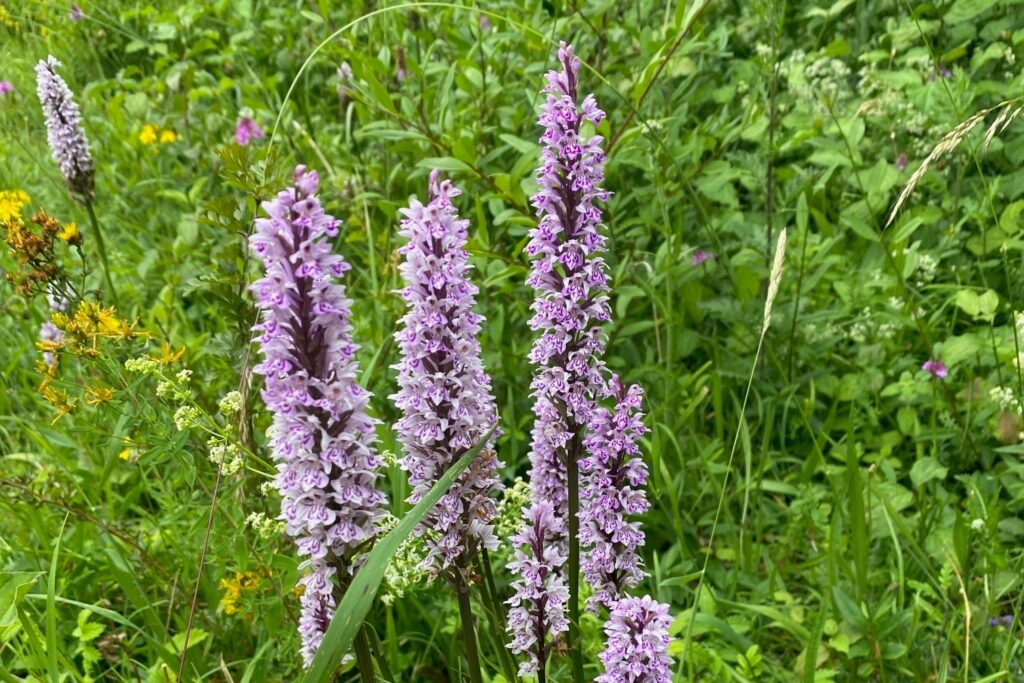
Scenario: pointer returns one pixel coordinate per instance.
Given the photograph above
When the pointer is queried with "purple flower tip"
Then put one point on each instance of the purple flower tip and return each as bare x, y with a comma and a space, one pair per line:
637, 642
901, 161
75, 13
700, 256
5, 87
936, 368
247, 130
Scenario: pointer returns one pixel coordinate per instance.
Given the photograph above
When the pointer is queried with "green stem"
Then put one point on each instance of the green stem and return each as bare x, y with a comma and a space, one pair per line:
363, 660
102, 248
378, 653
497, 616
468, 632
575, 644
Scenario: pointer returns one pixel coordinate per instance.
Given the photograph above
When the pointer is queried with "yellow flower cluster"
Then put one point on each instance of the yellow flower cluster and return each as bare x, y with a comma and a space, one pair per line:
11, 202
86, 326
236, 586
151, 134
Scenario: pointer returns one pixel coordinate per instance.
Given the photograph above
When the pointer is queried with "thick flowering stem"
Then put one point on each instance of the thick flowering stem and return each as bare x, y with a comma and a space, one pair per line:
444, 392
468, 630
321, 436
613, 478
571, 304
101, 248
637, 645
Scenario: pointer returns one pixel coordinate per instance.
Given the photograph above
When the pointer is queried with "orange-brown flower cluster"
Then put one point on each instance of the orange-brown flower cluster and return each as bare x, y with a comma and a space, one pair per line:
33, 246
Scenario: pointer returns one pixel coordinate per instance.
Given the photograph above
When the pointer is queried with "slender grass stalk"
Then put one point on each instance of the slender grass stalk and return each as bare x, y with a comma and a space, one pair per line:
364, 662
98, 232
468, 631
496, 613
775, 278
573, 473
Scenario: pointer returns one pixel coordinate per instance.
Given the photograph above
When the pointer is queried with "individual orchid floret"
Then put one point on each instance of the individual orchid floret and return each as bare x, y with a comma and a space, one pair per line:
444, 392
321, 437
569, 281
613, 478
536, 616
637, 643
64, 129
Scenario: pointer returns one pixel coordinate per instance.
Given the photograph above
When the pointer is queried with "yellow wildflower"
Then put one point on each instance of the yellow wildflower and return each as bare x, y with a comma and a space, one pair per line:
167, 136
148, 135
239, 584
97, 395
11, 202
70, 234
167, 356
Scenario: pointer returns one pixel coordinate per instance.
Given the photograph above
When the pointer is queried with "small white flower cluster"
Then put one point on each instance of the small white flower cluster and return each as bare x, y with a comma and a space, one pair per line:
264, 526
143, 365
228, 456
509, 510
1004, 397
815, 333
406, 569
230, 404
186, 417
823, 81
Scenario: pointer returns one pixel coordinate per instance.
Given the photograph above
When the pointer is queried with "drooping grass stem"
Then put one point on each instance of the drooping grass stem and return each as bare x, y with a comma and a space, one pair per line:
101, 247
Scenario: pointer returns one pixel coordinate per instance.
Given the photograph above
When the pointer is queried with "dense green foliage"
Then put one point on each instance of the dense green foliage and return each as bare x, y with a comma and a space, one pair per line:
858, 518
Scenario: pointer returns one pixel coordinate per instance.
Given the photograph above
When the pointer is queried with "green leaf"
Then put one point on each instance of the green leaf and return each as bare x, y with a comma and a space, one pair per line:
962, 10
925, 470
448, 164
359, 597
14, 587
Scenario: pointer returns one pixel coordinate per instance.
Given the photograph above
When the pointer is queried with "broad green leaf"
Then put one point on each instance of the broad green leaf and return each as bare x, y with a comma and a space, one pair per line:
927, 469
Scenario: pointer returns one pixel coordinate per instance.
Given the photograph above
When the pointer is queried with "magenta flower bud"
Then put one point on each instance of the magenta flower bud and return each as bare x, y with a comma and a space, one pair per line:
321, 438
444, 392
247, 130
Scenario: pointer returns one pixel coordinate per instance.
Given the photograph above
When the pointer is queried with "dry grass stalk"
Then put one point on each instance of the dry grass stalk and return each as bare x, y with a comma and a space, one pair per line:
1008, 111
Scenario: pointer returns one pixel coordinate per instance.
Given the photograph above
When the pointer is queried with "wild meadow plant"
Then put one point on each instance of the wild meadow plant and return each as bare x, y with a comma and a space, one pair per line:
322, 438
69, 147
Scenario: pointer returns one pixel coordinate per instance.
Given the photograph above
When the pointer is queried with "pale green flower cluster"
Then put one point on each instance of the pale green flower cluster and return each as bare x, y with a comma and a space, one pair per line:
265, 526
406, 569
226, 455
